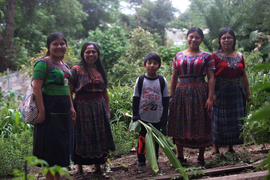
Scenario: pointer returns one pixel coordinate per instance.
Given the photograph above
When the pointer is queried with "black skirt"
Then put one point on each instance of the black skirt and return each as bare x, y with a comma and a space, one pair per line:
52, 137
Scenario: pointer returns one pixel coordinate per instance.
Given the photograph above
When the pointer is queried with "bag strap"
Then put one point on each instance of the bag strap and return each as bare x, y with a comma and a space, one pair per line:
46, 75
140, 84
161, 82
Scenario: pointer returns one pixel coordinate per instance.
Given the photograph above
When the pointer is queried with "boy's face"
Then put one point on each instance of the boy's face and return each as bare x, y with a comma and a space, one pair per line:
151, 66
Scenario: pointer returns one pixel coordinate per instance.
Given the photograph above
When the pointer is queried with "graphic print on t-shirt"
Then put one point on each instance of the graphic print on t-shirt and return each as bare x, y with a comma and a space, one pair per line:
149, 98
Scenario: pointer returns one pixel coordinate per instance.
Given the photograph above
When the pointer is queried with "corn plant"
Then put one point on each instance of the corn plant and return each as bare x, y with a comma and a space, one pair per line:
153, 135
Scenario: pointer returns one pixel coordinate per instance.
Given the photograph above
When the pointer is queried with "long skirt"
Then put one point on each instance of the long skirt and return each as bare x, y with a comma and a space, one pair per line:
92, 138
189, 122
231, 106
52, 137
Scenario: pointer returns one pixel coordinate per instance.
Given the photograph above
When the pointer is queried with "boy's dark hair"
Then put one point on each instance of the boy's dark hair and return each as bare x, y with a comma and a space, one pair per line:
153, 56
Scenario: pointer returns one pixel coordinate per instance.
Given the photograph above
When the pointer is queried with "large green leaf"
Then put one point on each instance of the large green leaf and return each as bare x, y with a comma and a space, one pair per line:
150, 151
262, 113
266, 49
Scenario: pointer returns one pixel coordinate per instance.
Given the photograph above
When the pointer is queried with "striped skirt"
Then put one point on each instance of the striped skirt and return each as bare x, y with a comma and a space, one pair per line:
93, 136
189, 122
231, 106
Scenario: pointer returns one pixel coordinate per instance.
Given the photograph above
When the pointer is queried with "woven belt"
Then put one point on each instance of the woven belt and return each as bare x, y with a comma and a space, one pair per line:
88, 96
190, 79
227, 81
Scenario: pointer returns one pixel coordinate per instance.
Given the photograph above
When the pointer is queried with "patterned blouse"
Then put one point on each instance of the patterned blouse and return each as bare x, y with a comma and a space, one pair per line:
55, 83
193, 65
86, 83
229, 67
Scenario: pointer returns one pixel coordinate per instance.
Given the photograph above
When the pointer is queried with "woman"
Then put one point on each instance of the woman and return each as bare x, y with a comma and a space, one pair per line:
92, 136
51, 133
230, 95
192, 99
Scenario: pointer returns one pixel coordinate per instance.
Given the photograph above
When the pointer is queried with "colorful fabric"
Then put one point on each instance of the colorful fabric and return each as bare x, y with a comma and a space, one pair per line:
55, 83
231, 107
228, 66
93, 136
86, 82
93, 130
52, 137
189, 122
193, 65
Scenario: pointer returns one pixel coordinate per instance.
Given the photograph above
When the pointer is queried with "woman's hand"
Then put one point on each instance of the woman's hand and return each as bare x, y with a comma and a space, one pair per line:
214, 100
209, 105
41, 117
73, 116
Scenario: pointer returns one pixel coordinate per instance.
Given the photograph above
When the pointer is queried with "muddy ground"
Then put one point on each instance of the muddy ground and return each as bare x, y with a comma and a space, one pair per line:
126, 167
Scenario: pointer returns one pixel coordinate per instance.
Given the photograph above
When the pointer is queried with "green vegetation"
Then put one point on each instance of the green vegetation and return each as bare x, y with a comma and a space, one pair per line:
124, 39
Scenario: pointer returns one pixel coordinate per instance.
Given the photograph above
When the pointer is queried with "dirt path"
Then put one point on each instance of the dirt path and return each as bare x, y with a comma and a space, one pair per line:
125, 168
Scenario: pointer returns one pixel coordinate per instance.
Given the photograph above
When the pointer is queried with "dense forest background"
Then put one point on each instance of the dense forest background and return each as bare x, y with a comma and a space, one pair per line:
25, 24
124, 39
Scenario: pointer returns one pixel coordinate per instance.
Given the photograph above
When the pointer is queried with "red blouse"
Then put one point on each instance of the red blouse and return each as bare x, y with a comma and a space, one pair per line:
229, 67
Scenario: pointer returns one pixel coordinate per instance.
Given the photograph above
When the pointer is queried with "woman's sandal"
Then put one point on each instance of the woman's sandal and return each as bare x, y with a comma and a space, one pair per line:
182, 160
200, 163
99, 173
79, 175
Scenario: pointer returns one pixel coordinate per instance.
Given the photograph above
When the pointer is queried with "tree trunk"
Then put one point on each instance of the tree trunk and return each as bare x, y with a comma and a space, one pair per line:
6, 44
138, 17
163, 38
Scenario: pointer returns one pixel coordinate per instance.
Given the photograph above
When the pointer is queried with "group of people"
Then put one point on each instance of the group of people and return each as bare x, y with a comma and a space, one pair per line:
89, 139
201, 113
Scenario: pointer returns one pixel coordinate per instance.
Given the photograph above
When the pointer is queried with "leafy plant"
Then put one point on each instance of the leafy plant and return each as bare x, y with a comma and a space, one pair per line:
153, 135
33, 161
13, 149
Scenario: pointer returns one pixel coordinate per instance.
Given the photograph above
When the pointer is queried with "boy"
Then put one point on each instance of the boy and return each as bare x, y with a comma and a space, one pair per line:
150, 103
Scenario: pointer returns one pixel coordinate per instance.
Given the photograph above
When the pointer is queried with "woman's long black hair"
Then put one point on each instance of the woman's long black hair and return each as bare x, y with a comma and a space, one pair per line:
224, 31
98, 63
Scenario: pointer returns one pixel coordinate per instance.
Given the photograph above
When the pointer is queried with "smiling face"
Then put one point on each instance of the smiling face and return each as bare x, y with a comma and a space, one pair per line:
90, 55
194, 40
227, 41
58, 48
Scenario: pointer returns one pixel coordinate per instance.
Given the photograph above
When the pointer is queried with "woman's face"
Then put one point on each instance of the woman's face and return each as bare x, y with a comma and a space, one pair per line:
58, 48
194, 40
227, 41
90, 55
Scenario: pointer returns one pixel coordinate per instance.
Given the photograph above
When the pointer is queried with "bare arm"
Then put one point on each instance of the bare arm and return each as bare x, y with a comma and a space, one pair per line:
211, 88
73, 112
39, 99
106, 97
173, 82
246, 86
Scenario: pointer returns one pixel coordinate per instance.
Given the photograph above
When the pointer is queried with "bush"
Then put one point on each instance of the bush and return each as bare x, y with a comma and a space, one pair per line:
13, 150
